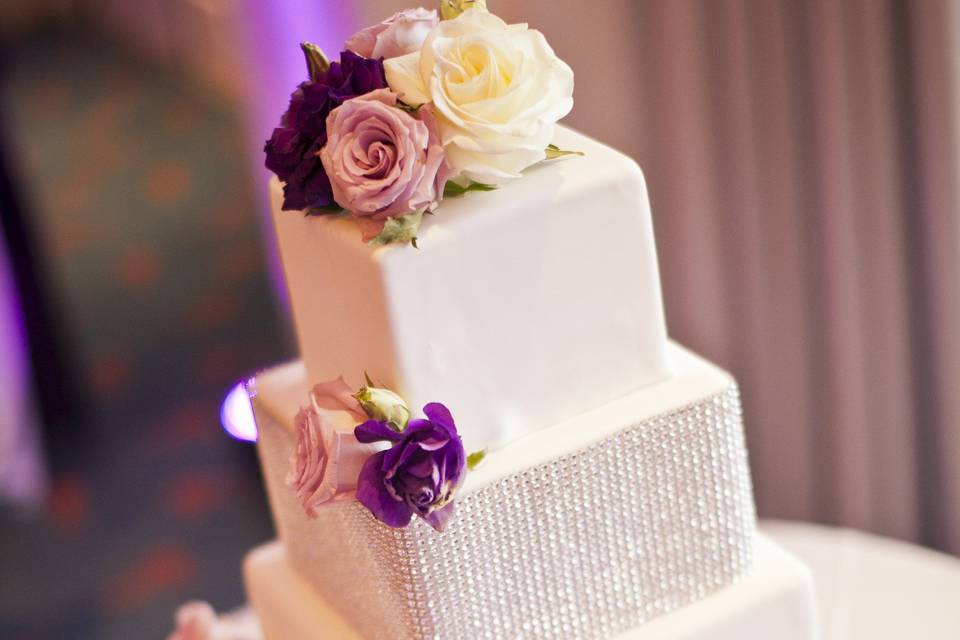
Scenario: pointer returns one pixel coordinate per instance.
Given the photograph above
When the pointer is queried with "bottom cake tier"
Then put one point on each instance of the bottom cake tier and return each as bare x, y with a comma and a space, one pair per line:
774, 600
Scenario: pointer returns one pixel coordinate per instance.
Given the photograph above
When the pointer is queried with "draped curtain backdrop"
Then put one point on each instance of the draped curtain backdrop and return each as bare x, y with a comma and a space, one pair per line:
802, 166
801, 158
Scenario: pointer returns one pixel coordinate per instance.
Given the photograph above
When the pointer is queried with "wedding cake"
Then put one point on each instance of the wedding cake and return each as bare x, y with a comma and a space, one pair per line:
489, 433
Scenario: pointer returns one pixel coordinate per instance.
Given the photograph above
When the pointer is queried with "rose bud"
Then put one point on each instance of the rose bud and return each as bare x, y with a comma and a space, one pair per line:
384, 405
450, 9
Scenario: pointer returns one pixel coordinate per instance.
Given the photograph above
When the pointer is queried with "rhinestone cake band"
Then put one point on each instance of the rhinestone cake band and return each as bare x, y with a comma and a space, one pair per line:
585, 546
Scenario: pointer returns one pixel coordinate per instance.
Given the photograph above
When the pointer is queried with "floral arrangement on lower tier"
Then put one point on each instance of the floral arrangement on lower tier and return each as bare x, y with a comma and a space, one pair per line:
395, 465
418, 108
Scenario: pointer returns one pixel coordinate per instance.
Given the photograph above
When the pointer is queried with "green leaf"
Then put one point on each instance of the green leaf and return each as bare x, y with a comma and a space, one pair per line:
554, 152
400, 229
325, 210
476, 458
453, 189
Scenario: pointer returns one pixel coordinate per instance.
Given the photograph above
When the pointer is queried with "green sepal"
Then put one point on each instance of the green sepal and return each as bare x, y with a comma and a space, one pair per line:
450, 9
399, 229
325, 210
317, 61
453, 189
554, 152
475, 458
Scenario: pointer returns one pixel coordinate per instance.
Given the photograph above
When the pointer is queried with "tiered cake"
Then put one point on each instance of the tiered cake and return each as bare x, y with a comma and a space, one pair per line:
613, 497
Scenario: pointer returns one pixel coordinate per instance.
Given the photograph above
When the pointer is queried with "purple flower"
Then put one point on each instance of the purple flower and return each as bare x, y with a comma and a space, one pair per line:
292, 150
418, 475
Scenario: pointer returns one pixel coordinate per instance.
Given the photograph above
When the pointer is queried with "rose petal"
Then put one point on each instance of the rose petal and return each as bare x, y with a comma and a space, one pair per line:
403, 77
439, 518
336, 395
195, 621
423, 466
397, 456
372, 494
440, 415
375, 431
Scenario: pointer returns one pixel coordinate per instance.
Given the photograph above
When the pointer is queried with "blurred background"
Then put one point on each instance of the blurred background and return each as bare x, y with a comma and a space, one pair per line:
802, 161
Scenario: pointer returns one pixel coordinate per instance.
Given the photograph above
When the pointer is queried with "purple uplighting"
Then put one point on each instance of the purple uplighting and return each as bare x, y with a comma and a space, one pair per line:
274, 67
236, 412
21, 469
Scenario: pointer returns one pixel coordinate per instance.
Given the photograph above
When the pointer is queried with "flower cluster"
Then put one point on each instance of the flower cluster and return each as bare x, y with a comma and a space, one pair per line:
415, 102
396, 466
293, 149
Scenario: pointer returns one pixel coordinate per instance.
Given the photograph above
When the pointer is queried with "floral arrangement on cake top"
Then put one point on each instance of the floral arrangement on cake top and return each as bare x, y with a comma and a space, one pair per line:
395, 465
418, 107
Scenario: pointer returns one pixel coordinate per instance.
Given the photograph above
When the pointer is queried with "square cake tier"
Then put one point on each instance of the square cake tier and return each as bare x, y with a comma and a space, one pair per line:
774, 600
522, 306
586, 528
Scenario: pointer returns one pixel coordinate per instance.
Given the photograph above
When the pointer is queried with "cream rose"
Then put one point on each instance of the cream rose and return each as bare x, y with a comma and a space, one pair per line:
497, 91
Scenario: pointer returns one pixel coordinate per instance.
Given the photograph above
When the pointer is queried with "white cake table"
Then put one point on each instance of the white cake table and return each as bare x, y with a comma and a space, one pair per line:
873, 588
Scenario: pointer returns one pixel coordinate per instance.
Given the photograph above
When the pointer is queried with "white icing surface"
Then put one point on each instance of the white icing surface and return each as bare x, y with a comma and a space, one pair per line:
774, 601
522, 307
282, 390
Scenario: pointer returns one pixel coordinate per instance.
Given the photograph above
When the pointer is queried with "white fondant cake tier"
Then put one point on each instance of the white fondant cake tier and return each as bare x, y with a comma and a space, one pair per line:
773, 601
591, 526
522, 306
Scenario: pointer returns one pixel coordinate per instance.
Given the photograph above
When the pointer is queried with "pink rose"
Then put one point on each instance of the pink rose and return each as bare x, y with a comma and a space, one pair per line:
195, 621
398, 35
326, 461
198, 621
382, 161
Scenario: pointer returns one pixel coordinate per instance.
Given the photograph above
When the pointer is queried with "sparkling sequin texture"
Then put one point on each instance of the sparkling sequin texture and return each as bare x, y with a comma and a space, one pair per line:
585, 546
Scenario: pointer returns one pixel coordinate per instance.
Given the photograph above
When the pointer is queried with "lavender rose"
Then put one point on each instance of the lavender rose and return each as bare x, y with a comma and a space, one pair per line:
326, 460
313, 463
398, 35
382, 162
293, 147
418, 475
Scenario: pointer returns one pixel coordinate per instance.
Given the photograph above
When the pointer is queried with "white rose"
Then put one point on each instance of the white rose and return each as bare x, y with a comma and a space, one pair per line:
497, 91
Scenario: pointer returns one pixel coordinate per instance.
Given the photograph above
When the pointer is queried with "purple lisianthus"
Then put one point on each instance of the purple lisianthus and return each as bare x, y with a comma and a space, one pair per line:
418, 475
292, 149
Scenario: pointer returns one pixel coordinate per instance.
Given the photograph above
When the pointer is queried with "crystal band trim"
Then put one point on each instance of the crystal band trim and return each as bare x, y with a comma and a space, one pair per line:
585, 546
